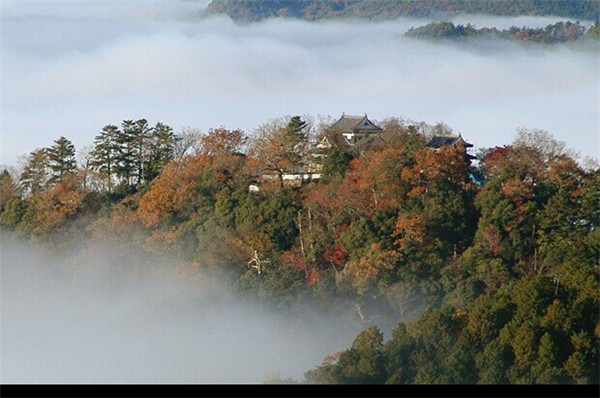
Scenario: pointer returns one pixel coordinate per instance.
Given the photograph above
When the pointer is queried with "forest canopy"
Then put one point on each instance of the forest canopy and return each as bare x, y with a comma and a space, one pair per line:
560, 32
484, 265
249, 10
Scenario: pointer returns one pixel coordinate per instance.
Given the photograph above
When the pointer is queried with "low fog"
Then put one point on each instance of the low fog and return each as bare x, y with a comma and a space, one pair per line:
69, 68
97, 316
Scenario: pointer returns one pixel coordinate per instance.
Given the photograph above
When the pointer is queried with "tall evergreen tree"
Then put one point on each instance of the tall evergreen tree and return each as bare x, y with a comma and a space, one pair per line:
161, 150
9, 189
141, 148
134, 150
105, 153
125, 165
61, 159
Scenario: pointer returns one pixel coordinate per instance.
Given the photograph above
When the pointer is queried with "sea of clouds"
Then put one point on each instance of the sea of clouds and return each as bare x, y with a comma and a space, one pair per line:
106, 315
69, 68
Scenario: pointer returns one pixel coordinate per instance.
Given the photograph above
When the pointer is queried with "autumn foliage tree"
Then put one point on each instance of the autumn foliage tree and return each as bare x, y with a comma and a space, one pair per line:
436, 220
56, 206
277, 147
183, 196
34, 176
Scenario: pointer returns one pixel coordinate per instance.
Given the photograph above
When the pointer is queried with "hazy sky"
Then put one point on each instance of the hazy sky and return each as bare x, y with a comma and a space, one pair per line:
69, 68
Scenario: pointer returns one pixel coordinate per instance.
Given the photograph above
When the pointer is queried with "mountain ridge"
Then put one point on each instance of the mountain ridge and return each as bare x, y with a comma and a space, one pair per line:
312, 10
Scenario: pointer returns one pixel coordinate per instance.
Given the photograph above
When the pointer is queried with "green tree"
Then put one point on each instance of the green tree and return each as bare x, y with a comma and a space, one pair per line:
19, 215
363, 363
283, 285
161, 150
370, 366
128, 156
397, 354
594, 31
487, 316
460, 361
493, 363
265, 223
571, 216
547, 367
12, 212
142, 140
357, 239
61, 159
335, 165
506, 229
296, 128
582, 364
9, 188
436, 217
105, 153
435, 333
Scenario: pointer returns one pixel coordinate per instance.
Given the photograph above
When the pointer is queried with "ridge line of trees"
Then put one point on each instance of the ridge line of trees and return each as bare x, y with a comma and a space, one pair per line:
559, 32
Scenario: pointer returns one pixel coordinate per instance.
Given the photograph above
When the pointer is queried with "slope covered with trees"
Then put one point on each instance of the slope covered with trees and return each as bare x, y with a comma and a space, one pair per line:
560, 32
487, 272
249, 10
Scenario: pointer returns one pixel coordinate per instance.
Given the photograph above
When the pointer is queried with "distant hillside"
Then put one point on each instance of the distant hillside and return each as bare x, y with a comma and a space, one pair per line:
256, 10
560, 32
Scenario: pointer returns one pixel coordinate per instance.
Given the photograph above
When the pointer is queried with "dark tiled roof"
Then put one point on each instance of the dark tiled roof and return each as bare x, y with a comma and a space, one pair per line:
374, 140
337, 140
439, 141
348, 124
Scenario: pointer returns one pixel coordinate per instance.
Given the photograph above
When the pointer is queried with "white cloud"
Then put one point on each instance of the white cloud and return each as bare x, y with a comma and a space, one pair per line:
65, 77
142, 10
88, 317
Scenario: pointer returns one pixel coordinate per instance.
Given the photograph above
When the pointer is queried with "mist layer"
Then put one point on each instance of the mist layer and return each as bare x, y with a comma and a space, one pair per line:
72, 69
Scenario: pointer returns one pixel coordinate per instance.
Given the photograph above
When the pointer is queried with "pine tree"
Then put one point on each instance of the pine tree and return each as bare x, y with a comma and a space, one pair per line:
105, 153
141, 148
134, 151
162, 150
9, 189
125, 165
61, 159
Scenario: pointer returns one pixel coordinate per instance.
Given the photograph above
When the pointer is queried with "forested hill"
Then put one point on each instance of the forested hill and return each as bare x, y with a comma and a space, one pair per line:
251, 10
559, 32
487, 271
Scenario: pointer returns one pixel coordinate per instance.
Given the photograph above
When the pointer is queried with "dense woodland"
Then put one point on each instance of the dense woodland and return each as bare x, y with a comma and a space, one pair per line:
560, 32
250, 10
489, 266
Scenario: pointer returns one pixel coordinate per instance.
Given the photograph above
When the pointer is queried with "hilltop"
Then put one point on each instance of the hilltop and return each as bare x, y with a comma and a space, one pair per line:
486, 271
